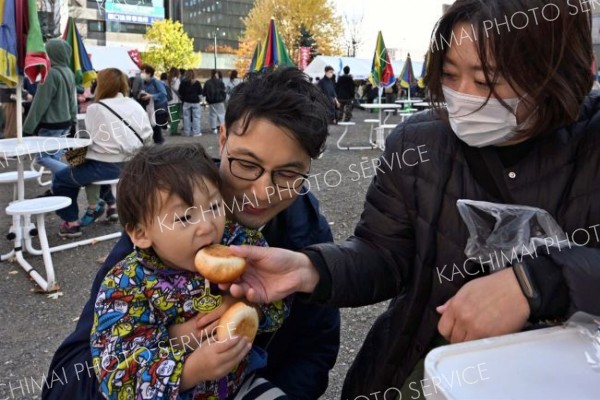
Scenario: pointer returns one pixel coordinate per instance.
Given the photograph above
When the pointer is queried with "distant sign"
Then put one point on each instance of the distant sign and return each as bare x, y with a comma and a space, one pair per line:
134, 11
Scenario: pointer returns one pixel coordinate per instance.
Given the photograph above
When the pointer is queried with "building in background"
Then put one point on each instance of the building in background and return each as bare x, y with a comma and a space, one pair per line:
205, 20
109, 22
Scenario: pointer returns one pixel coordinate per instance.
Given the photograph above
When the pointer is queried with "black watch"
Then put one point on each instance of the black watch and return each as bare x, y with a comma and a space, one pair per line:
528, 286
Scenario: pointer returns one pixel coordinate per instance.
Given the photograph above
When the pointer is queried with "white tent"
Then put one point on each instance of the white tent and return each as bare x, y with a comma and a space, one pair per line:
112, 57
360, 68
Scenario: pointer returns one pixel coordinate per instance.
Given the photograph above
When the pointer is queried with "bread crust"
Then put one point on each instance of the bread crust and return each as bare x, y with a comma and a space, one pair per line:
239, 320
218, 264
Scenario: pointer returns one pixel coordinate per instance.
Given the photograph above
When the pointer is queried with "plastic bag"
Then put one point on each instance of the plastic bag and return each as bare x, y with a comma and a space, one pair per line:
506, 229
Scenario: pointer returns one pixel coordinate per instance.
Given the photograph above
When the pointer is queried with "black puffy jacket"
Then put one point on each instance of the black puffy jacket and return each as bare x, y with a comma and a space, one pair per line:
410, 229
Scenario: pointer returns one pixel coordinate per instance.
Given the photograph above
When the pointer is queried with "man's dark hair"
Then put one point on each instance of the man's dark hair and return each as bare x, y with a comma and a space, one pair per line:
548, 60
175, 169
328, 68
346, 70
148, 68
287, 99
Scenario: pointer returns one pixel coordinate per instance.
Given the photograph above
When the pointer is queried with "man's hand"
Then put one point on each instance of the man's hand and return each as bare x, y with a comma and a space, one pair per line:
485, 307
272, 274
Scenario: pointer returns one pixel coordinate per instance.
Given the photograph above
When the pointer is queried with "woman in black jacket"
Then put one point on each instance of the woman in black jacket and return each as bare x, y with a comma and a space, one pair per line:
519, 128
190, 91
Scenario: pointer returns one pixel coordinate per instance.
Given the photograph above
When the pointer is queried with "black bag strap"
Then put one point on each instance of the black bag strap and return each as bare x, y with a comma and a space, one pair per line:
486, 167
123, 120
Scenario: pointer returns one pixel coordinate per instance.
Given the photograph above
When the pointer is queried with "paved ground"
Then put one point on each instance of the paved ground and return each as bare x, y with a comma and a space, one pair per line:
33, 325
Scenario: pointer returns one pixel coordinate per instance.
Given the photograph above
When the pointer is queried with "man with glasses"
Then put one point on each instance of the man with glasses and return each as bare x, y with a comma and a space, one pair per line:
274, 125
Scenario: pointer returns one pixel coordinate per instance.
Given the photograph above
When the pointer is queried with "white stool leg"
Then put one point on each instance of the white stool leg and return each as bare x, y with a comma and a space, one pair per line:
41, 227
342, 138
19, 254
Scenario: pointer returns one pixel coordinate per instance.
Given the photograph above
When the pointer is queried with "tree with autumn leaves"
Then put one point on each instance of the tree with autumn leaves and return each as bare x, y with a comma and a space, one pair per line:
169, 46
293, 19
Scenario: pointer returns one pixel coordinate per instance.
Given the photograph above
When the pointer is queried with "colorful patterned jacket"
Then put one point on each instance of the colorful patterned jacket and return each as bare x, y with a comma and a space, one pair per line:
139, 298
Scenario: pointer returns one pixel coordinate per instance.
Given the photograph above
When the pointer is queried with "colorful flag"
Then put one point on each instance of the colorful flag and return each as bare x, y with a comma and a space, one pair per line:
382, 73
274, 53
304, 56
22, 50
255, 55
407, 76
80, 60
135, 57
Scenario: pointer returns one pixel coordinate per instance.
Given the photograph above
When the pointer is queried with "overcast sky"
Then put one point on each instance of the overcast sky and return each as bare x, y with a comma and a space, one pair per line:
405, 24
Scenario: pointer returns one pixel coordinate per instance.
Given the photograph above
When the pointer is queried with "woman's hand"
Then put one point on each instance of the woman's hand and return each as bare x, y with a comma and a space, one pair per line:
485, 307
272, 274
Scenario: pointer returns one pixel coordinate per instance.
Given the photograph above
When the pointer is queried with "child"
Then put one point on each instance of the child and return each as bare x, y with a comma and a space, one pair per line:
170, 205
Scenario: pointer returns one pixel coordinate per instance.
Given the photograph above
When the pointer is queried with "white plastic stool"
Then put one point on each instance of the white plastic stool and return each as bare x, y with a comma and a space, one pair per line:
373, 123
22, 232
380, 141
347, 126
111, 182
13, 177
405, 115
388, 114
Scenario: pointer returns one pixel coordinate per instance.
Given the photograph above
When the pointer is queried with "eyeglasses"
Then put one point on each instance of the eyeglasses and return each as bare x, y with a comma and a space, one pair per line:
250, 171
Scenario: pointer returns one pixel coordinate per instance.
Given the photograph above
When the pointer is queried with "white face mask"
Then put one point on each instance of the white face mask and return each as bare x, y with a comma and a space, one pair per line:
480, 127
144, 76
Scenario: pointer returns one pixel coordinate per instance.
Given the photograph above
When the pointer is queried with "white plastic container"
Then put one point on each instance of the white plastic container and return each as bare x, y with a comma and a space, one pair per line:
561, 363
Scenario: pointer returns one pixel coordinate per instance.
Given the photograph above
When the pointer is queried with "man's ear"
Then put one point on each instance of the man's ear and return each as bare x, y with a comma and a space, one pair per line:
222, 138
139, 236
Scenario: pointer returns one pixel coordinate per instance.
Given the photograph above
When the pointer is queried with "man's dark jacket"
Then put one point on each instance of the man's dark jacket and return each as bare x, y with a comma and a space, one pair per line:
301, 352
410, 235
214, 91
345, 87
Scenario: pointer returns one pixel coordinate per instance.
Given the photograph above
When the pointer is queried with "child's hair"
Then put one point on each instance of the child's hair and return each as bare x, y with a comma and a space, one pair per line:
175, 169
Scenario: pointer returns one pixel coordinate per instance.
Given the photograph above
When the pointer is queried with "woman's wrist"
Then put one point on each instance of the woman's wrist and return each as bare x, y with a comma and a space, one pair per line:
309, 277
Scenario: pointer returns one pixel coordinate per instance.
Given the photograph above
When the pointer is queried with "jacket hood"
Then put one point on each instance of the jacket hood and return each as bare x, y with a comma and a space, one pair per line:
59, 52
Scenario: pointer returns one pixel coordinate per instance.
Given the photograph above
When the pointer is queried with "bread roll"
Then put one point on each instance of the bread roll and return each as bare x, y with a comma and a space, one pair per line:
239, 320
217, 264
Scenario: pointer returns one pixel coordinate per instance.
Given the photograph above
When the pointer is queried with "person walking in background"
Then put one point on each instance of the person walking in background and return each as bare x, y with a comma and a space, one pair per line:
233, 82
174, 82
154, 93
214, 91
346, 90
190, 91
54, 107
327, 86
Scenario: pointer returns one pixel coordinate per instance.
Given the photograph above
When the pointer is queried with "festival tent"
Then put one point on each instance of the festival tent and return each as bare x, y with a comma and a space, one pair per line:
360, 68
112, 57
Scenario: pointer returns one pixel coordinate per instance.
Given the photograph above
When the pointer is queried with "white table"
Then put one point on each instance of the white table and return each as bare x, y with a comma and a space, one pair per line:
22, 227
380, 141
421, 104
28, 147
381, 106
